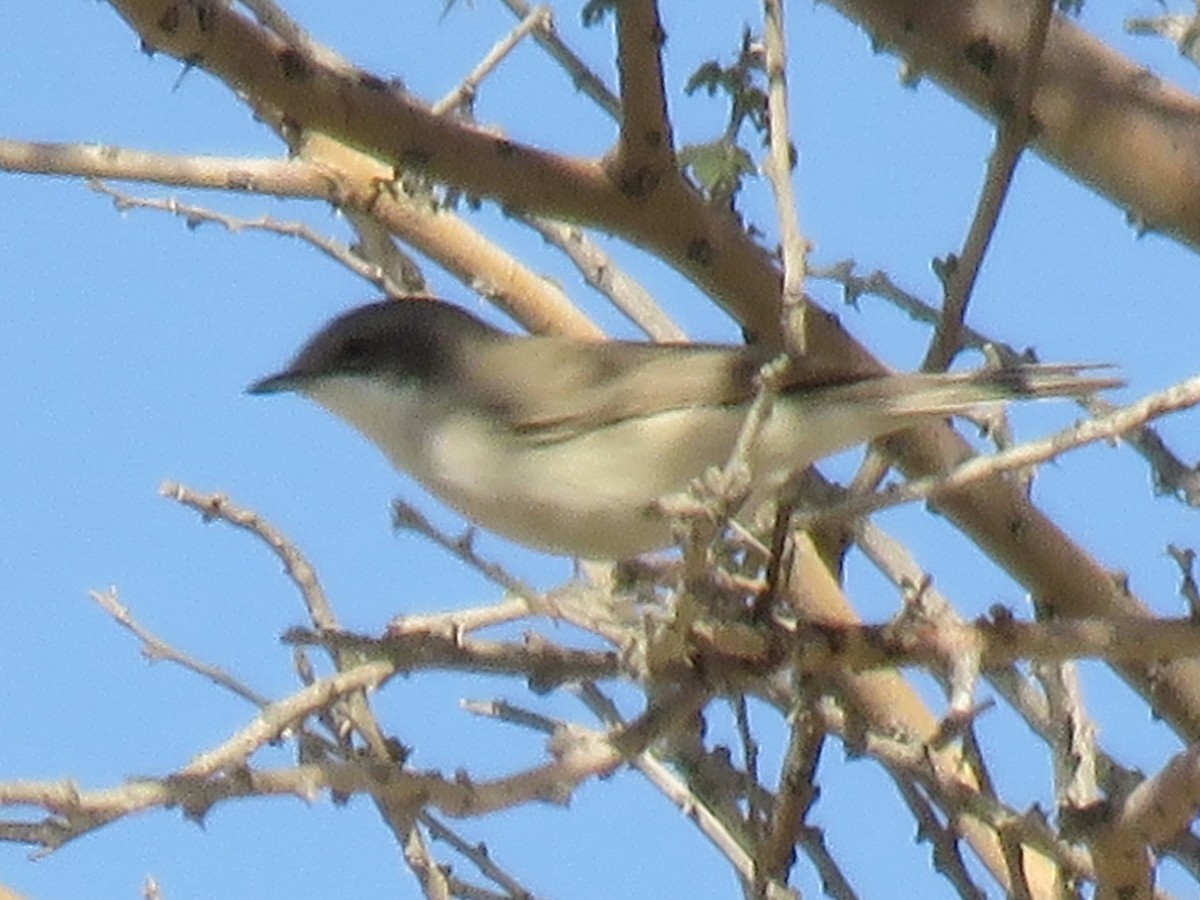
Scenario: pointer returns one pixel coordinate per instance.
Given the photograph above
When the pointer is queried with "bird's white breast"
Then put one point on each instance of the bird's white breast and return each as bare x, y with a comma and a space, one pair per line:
591, 495
588, 496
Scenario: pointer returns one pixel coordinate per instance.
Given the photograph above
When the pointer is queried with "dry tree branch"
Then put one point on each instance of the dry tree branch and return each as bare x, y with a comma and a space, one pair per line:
720, 832
1055, 642
602, 272
596, 266
591, 607
933, 644
367, 112
1171, 474
406, 517
376, 247
299, 570
545, 664
1100, 118
794, 797
211, 776
272, 16
479, 856
882, 701
156, 648
194, 215
273, 177
1124, 835
434, 880
778, 167
585, 80
355, 715
1109, 427
899, 567
460, 621
281, 716
463, 94
942, 780
535, 661
1013, 134
645, 152
159, 649
946, 851
346, 179
223, 772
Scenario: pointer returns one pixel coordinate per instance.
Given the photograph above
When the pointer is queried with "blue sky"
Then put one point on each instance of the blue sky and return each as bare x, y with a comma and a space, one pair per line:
126, 341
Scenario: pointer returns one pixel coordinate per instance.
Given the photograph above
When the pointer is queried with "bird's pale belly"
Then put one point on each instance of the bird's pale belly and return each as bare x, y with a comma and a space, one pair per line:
589, 496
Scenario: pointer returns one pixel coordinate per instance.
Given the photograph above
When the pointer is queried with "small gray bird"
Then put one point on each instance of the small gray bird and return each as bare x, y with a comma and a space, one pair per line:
565, 445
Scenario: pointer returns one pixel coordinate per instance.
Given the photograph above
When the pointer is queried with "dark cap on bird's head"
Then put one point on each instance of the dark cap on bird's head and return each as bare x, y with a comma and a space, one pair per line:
416, 338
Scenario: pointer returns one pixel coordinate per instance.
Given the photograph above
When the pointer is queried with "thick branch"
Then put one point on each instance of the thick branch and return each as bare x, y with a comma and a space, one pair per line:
1099, 116
645, 153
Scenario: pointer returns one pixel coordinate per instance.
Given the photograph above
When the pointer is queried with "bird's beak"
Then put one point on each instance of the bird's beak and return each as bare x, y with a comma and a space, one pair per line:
279, 383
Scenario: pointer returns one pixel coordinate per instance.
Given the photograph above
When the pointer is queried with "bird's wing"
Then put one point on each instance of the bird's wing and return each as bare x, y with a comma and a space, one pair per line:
612, 382
616, 381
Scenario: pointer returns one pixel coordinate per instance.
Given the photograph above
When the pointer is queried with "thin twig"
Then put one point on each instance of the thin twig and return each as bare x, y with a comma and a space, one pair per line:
544, 663
1181, 396
297, 566
778, 168
460, 621
464, 94
682, 795
939, 776
320, 611
280, 716
942, 838
194, 215
585, 80
603, 273
156, 648
794, 796
478, 854
1013, 135
1171, 474
434, 879
406, 517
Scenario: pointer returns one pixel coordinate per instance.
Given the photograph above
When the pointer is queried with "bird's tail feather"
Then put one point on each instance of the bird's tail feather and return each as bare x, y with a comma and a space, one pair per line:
946, 393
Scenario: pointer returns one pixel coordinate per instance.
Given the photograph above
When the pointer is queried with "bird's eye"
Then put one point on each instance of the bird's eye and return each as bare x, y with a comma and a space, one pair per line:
355, 353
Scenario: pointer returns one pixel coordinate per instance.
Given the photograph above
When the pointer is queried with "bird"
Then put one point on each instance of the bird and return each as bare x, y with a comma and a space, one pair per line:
567, 445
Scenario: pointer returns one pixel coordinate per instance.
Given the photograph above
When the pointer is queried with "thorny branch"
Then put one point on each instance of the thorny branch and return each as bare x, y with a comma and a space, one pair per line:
803, 649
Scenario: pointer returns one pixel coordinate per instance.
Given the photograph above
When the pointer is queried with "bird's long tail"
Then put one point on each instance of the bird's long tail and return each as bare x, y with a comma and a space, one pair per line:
946, 393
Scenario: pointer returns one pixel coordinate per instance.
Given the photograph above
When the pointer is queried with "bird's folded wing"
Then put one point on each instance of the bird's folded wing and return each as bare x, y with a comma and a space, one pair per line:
617, 381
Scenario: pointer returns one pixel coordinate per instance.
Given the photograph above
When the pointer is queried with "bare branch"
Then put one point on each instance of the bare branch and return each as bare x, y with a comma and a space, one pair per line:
1171, 474
962, 271
778, 167
646, 152
1095, 111
545, 664
194, 215
463, 96
1109, 427
156, 648
584, 79
603, 273
298, 568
